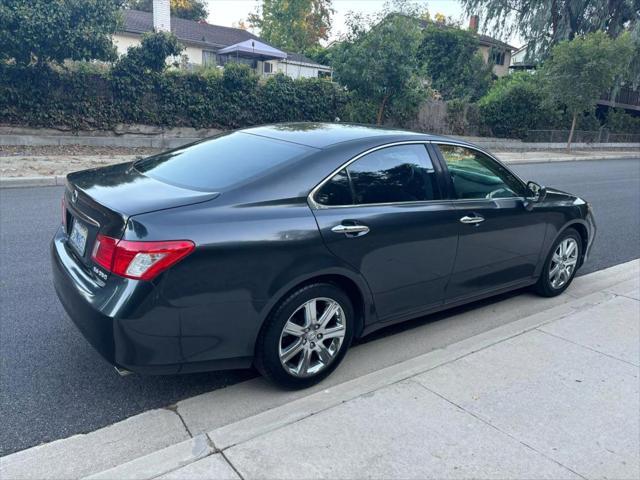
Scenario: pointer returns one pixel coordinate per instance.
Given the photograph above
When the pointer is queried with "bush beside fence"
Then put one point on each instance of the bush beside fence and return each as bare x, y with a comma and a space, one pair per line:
42, 96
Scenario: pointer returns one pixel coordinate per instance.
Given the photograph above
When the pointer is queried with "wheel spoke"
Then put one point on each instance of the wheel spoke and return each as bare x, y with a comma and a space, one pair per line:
334, 332
571, 261
328, 314
310, 313
293, 329
557, 258
291, 351
570, 248
563, 276
554, 271
305, 361
324, 354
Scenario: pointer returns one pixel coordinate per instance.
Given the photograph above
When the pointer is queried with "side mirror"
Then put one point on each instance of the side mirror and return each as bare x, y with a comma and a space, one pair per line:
538, 194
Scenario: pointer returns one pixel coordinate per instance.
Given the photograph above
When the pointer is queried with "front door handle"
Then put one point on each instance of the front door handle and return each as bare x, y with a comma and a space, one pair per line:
351, 230
472, 220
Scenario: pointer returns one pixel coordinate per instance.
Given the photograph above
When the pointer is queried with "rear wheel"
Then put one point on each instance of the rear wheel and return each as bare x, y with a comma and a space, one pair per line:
306, 337
561, 264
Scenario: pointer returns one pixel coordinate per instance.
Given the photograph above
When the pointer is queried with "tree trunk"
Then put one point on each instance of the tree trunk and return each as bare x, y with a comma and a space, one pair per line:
554, 21
573, 127
381, 109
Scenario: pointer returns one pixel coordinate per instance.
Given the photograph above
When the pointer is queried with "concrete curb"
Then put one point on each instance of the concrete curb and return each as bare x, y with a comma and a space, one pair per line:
160, 462
24, 182
58, 180
241, 431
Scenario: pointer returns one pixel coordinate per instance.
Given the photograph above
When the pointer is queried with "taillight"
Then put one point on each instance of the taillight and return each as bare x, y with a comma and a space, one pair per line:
139, 260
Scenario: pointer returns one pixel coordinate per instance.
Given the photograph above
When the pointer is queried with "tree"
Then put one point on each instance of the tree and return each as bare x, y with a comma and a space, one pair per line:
379, 64
452, 61
151, 55
579, 71
293, 24
544, 23
41, 30
188, 9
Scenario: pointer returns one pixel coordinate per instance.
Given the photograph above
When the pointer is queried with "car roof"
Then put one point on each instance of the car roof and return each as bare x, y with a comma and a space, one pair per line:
324, 135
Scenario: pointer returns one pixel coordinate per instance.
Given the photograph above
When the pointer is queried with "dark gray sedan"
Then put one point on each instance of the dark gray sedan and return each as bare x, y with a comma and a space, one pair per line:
276, 246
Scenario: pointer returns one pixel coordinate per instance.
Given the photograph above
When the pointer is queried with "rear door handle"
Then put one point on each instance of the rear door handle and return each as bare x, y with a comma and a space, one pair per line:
351, 230
472, 220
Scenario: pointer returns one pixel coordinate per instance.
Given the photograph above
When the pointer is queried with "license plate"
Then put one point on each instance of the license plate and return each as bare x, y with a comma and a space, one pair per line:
78, 237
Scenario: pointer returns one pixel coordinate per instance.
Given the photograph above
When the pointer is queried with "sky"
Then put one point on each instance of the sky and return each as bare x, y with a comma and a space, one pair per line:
229, 12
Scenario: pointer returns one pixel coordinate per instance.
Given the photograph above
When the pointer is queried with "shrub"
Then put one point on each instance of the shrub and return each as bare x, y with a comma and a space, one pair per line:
515, 104
618, 121
89, 99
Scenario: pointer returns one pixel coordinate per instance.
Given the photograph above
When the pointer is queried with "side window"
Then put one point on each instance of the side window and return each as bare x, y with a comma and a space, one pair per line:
475, 175
402, 173
336, 191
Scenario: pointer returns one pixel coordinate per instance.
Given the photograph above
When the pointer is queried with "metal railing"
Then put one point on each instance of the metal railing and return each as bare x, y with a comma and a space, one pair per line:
624, 96
580, 136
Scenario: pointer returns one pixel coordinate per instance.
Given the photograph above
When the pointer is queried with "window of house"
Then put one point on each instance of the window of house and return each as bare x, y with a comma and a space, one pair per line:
475, 175
209, 58
497, 56
402, 173
267, 67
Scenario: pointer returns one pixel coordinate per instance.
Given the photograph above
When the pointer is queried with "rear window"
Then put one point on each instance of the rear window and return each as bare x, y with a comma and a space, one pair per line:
220, 162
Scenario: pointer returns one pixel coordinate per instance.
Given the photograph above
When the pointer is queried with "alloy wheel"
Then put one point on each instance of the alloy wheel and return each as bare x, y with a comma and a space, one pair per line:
312, 337
563, 262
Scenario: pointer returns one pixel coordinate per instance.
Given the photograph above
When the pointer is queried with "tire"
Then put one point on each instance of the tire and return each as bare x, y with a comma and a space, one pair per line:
549, 285
316, 351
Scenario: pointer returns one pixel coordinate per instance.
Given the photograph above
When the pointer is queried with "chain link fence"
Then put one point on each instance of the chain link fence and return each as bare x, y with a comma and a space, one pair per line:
581, 136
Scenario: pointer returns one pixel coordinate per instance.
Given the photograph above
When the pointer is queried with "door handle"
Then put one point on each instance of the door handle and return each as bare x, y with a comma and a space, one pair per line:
351, 230
472, 220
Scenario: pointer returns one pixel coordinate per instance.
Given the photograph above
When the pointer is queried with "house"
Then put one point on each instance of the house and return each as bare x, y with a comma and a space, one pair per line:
215, 45
519, 60
494, 52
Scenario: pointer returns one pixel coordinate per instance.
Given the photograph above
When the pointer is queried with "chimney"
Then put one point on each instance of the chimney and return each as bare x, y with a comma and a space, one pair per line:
161, 16
474, 22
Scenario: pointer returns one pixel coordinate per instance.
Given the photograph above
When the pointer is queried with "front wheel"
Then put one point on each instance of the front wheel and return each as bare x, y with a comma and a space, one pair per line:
306, 337
561, 264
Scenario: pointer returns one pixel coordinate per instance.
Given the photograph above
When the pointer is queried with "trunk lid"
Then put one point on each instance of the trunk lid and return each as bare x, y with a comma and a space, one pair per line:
102, 200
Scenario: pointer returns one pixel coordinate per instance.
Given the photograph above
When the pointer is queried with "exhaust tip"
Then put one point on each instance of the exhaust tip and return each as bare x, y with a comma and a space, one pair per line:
122, 371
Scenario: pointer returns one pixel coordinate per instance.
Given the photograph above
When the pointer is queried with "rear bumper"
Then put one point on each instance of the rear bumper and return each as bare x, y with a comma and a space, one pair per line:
130, 326
76, 292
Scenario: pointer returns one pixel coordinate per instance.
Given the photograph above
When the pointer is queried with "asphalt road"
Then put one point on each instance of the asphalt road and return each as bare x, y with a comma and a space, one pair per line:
53, 385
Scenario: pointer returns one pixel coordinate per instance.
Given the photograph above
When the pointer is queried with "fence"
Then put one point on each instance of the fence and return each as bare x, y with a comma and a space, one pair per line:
581, 136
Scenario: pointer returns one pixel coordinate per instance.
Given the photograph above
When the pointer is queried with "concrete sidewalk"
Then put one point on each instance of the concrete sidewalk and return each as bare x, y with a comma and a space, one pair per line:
556, 156
553, 394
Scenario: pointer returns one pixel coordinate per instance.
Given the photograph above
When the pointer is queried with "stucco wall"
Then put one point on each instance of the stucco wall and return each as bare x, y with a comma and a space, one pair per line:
194, 54
297, 70
499, 70
123, 42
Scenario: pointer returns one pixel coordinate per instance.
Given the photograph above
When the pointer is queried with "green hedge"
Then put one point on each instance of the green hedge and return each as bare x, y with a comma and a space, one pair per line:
516, 104
91, 99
